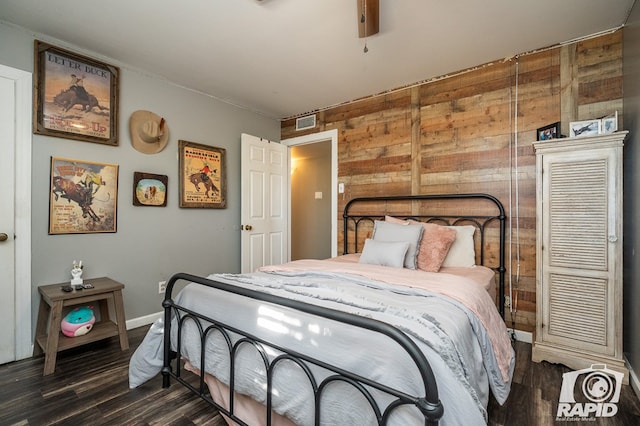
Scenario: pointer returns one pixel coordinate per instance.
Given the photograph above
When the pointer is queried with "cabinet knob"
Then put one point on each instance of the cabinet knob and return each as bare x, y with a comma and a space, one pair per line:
3, 236
613, 238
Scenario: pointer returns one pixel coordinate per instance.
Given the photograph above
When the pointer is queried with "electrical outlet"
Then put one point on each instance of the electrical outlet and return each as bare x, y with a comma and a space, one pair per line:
507, 301
162, 286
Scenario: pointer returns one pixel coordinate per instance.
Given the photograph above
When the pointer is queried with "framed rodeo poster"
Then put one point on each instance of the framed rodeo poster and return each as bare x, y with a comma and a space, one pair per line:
75, 97
203, 175
83, 197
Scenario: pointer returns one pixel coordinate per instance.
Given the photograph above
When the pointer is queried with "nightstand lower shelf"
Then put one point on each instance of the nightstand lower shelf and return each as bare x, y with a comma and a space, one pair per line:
100, 330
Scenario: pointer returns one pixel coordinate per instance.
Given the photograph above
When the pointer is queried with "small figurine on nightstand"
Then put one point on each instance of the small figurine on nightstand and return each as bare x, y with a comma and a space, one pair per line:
76, 273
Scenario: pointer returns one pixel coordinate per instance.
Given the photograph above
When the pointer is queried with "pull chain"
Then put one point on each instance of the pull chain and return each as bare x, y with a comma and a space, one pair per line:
363, 20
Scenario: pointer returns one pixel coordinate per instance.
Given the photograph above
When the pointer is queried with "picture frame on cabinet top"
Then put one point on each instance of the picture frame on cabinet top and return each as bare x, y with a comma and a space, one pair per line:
610, 124
585, 128
552, 131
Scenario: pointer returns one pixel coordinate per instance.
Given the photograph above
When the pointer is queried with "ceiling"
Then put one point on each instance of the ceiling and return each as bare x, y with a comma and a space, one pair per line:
283, 58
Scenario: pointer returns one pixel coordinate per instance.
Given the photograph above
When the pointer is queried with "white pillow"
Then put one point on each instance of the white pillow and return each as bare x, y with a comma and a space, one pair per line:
384, 253
395, 232
462, 251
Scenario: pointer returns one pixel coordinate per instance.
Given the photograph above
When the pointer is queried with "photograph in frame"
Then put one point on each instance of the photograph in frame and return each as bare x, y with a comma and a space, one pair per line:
552, 131
149, 189
83, 197
610, 124
202, 175
75, 97
584, 128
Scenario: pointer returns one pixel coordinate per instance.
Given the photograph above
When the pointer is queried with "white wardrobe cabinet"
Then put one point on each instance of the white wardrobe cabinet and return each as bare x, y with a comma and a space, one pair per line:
579, 252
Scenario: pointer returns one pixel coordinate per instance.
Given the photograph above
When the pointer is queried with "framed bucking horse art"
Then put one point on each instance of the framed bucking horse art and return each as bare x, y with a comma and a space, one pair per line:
75, 97
203, 175
83, 197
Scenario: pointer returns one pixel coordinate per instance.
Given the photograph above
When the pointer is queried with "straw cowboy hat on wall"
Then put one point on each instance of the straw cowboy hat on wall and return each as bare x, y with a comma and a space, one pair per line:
149, 132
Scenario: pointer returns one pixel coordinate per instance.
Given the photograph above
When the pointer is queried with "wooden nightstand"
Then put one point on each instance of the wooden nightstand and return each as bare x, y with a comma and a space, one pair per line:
49, 339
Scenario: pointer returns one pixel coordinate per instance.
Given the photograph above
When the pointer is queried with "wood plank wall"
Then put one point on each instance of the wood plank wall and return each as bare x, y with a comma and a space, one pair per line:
459, 134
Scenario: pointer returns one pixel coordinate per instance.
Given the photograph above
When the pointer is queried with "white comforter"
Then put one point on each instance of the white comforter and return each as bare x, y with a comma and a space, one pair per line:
453, 321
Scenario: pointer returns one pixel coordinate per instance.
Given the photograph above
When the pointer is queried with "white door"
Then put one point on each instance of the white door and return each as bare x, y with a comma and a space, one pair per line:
7, 258
15, 216
264, 183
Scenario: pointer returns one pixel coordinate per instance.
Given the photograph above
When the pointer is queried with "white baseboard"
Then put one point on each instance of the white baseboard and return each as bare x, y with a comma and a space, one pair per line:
634, 380
522, 336
145, 320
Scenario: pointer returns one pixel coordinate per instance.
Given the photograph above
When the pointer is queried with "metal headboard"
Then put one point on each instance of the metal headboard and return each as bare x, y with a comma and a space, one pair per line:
481, 222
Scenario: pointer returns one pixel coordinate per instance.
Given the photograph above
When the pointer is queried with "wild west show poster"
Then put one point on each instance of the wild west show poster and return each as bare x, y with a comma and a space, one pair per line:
83, 197
90, 118
203, 176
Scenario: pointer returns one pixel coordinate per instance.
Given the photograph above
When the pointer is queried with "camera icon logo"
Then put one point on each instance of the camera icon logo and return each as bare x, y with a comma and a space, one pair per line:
599, 391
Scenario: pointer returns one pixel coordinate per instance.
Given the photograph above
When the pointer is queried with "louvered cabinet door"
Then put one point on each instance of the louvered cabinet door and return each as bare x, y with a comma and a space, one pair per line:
579, 251
577, 299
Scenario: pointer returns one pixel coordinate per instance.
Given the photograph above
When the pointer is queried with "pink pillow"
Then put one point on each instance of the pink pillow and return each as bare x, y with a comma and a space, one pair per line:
434, 246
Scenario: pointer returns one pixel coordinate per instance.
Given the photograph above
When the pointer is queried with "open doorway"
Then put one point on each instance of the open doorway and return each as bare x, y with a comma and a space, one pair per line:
311, 201
307, 233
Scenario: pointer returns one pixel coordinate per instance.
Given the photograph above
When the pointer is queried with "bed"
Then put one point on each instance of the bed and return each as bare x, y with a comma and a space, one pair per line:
368, 337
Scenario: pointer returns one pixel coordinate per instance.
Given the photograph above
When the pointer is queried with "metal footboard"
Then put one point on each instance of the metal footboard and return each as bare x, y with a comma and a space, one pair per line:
428, 403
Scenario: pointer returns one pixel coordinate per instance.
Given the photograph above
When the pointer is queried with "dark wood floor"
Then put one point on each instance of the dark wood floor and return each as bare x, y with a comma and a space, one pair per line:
535, 392
90, 387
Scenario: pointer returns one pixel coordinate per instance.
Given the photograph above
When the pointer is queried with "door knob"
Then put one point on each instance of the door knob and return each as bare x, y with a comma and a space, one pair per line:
3, 236
248, 227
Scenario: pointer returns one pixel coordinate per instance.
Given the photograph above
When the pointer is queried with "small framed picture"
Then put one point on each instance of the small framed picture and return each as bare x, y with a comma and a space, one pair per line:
585, 128
149, 189
610, 124
552, 131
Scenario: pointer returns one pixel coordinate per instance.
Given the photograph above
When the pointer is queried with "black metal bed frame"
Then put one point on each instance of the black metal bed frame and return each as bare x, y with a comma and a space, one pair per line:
428, 403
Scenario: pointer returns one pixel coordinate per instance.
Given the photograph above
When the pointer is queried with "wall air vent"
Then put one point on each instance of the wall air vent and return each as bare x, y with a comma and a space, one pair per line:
307, 122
